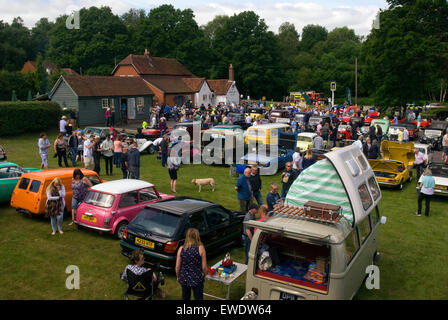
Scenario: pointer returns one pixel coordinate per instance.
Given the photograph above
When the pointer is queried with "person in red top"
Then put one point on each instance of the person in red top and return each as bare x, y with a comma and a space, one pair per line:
348, 133
113, 133
263, 211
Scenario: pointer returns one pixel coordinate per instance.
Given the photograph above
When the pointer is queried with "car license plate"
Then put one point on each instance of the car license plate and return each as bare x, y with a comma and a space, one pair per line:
88, 218
143, 242
287, 296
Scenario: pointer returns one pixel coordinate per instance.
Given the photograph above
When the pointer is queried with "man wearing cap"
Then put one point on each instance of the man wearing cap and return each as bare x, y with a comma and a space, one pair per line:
248, 232
62, 124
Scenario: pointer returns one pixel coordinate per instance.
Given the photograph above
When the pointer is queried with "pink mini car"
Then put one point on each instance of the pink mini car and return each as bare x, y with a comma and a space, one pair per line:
110, 206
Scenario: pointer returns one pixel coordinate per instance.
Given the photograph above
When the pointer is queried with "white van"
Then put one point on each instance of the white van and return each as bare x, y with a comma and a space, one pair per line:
298, 254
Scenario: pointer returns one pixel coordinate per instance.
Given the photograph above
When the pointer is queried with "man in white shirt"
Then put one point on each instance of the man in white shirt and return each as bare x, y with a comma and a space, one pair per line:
62, 124
88, 152
248, 119
358, 143
297, 160
405, 135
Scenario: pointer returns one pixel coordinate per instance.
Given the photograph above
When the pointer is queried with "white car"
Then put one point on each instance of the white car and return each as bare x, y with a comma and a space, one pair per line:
305, 140
440, 174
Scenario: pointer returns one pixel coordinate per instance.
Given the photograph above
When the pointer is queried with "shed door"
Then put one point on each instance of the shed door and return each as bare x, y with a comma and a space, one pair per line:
131, 108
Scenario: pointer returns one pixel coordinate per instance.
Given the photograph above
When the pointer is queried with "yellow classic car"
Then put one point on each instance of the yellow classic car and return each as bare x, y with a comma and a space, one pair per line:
256, 114
395, 167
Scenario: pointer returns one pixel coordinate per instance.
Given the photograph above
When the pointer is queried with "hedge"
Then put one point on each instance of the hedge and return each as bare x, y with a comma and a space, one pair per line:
28, 116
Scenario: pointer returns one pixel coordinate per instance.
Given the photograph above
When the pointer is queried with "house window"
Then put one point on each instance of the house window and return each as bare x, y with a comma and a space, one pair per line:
105, 103
140, 105
204, 97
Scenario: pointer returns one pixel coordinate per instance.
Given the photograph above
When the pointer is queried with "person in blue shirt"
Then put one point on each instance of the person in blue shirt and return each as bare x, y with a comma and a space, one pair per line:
427, 186
273, 197
167, 112
244, 190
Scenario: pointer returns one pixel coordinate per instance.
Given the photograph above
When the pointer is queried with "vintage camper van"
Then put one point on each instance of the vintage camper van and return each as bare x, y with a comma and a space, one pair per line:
30, 196
302, 253
263, 132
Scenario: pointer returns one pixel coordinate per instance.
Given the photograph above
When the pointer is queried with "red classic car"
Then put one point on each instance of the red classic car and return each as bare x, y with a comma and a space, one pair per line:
370, 116
153, 133
424, 123
349, 113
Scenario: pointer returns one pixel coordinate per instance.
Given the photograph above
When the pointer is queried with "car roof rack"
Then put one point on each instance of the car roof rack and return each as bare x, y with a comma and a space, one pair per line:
296, 212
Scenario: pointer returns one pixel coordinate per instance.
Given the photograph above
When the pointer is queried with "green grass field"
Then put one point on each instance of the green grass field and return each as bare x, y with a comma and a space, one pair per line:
33, 263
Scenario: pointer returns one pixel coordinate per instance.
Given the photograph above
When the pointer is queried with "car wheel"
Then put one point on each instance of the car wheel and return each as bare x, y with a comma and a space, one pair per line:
119, 230
151, 149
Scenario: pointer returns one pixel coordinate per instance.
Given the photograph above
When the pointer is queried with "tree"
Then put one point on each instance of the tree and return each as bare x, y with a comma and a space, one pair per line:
15, 45
40, 37
405, 61
101, 39
173, 33
312, 34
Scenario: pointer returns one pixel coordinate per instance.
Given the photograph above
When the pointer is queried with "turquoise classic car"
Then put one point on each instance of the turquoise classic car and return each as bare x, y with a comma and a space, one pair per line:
10, 173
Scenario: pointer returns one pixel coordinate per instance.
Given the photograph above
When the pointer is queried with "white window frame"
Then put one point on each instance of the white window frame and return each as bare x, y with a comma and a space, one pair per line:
105, 103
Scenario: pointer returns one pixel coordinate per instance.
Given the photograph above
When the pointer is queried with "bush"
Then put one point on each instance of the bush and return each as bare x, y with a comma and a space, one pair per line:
28, 116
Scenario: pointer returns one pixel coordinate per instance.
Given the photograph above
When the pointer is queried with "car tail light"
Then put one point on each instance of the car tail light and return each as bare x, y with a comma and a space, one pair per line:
125, 234
171, 246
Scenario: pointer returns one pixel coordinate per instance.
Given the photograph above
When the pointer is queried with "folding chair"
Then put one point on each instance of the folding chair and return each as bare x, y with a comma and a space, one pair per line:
140, 286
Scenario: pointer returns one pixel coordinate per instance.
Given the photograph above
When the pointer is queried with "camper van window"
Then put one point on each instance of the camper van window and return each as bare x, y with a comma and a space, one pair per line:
288, 260
35, 185
365, 196
351, 245
353, 166
375, 214
364, 229
362, 162
374, 189
24, 182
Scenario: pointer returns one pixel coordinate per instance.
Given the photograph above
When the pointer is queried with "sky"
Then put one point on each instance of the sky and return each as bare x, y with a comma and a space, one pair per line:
357, 15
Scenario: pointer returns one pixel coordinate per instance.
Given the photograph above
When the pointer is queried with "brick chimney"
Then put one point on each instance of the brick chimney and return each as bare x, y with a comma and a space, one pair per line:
147, 52
231, 73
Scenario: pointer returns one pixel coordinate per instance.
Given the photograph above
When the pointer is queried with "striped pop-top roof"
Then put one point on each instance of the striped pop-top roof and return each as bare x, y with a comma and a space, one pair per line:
320, 182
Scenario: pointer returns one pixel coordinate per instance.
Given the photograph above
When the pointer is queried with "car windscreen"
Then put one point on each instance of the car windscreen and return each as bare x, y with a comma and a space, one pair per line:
315, 120
440, 171
99, 199
304, 139
437, 126
254, 132
159, 222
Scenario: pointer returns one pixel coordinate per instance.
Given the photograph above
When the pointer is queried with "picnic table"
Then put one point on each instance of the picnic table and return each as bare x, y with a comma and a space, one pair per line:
240, 270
